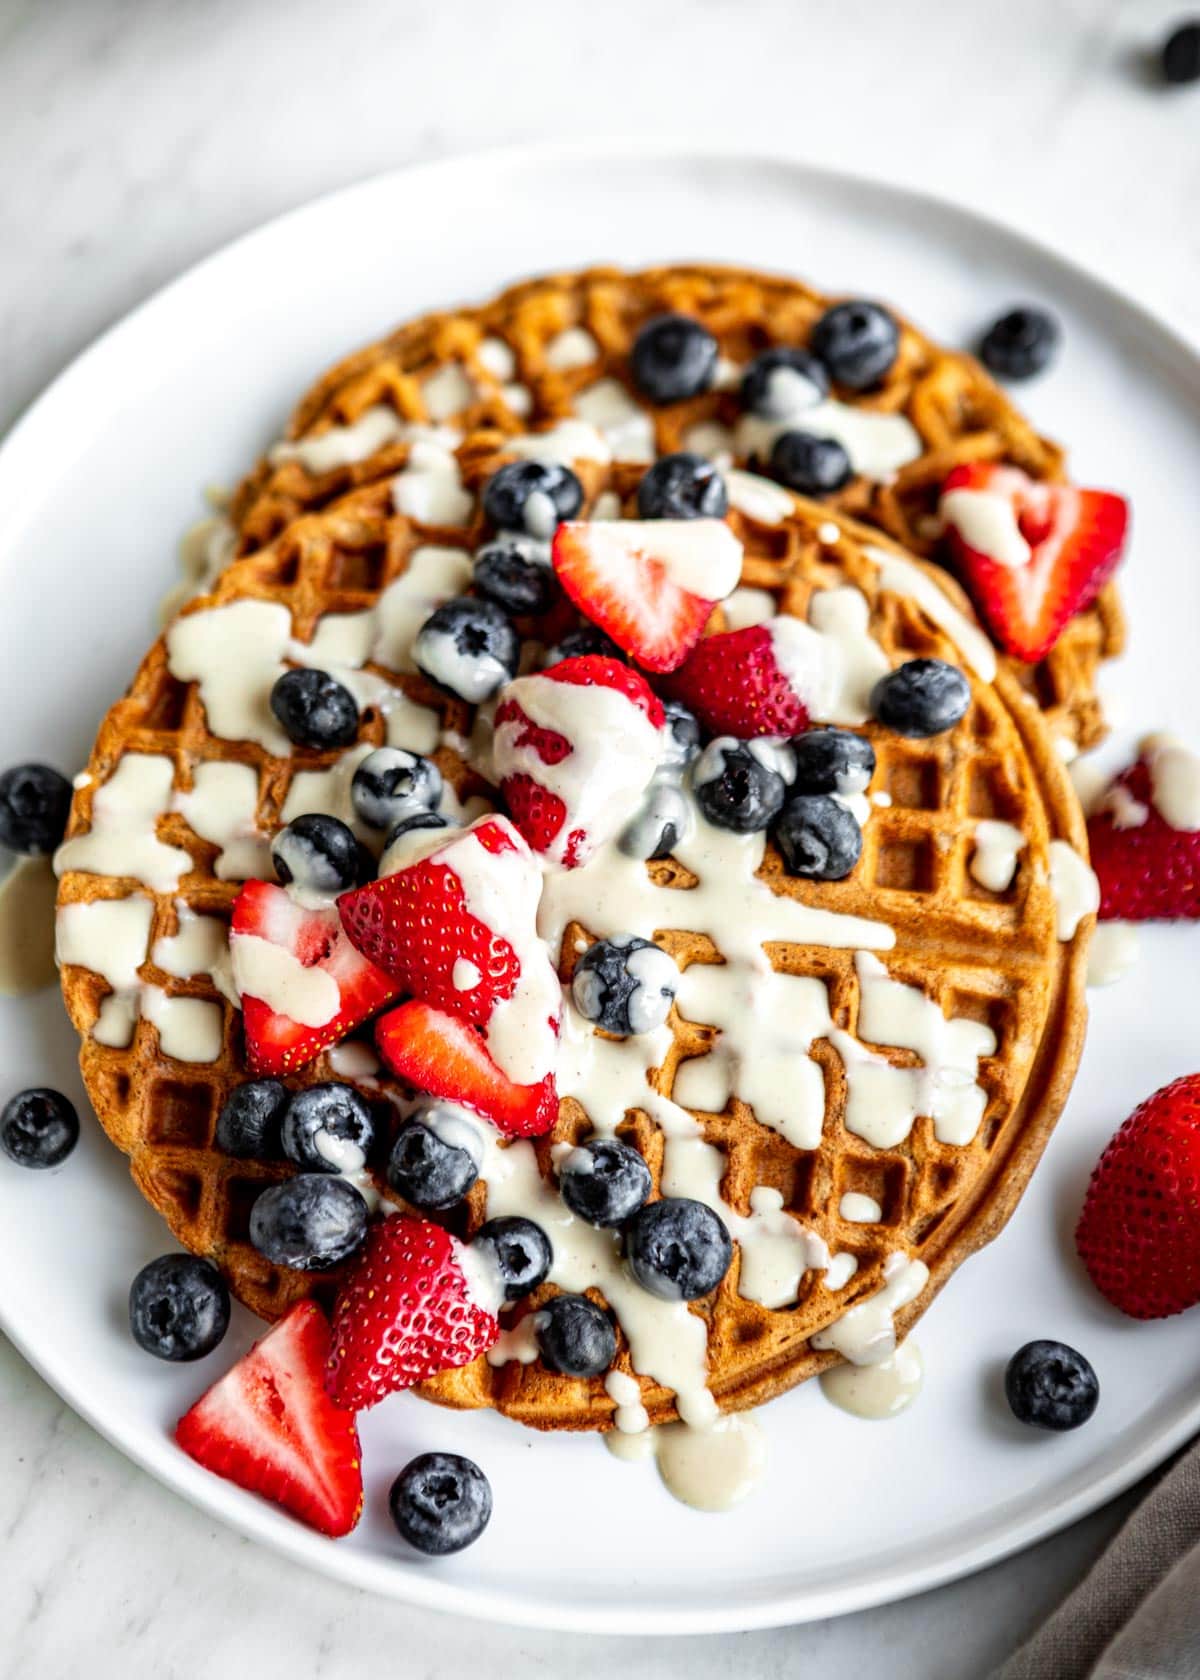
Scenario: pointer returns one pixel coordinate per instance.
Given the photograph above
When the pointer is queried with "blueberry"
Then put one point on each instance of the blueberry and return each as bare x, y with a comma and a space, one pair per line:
532, 496
812, 466
1021, 342
575, 1336
819, 838
328, 1128
520, 1252
510, 573
625, 984
440, 1503
250, 1118
314, 709
1051, 1386
677, 1249
414, 823
391, 783
1181, 55
35, 802
38, 1128
468, 647
673, 358
681, 737
663, 821
921, 697
832, 761
578, 643
310, 1222
436, 1157
781, 380
857, 341
604, 1181
319, 854
738, 784
178, 1307
682, 486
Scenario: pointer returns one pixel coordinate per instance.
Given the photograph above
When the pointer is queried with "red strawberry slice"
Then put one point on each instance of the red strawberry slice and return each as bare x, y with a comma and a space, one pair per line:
270, 1426
763, 680
1032, 555
444, 1056
406, 1312
1139, 1233
275, 1042
1148, 871
650, 585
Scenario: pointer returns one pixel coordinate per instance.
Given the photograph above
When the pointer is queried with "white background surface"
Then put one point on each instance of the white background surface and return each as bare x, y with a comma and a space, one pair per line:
135, 138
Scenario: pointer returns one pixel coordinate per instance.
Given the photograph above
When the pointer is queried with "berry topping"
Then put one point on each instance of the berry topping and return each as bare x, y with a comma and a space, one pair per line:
1181, 55
763, 680
408, 839
663, 821
1032, 555
248, 1125
681, 738
832, 761
405, 1312
440, 1503
328, 1128
1020, 342
1139, 1232
857, 341
35, 802
604, 1181
625, 985
678, 1249
269, 1426
519, 1251
436, 1157
532, 496
178, 1307
510, 573
391, 784
320, 855
818, 838
673, 358
467, 647
739, 784
575, 1336
812, 466
1051, 1386
921, 697
38, 1128
309, 1223
314, 709
682, 486
580, 644
446, 1057
781, 380
1148, 870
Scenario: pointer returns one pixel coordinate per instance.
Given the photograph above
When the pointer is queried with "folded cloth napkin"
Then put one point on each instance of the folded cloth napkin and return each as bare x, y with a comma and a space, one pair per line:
1136, 1614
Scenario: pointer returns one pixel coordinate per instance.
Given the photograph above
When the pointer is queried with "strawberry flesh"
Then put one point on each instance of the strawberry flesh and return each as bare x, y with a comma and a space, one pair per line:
446, 1057
1148, 871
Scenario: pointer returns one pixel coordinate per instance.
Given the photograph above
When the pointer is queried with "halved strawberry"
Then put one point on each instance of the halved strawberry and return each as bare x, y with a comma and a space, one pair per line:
444, 1056
651, 585
767, 679
270, 1426
1148, 870
1032, 555
273, 941
407, 1311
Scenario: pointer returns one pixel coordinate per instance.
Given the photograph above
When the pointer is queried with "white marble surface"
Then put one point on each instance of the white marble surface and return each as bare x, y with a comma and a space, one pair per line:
138, 137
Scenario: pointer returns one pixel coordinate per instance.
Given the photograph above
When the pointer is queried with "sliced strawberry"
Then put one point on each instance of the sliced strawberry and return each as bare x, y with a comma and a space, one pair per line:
764, 680
407, 1311
270, 1426
650, 585
1032, 555
1148, 870
447, 1058
313, 939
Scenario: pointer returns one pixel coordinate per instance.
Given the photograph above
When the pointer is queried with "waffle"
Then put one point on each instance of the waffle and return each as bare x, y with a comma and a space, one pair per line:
958, 411
993, 958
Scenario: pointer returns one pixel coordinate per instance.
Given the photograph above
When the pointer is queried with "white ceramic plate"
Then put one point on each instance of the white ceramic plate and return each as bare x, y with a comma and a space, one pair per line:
95, 486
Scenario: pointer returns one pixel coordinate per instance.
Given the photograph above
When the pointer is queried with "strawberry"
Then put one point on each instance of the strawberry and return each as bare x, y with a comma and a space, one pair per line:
270, 1426
313, 939
763, 680
1139, 1233
1032, 555
444, 1056
650, 585
1148, 871
407, 1311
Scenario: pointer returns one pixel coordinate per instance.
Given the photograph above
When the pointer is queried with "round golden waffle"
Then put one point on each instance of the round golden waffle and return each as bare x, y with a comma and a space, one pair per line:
959, 412
989, 957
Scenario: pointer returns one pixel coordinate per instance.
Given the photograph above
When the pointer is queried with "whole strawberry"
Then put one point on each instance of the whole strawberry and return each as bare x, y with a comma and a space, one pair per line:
1148, 870
1139, 1233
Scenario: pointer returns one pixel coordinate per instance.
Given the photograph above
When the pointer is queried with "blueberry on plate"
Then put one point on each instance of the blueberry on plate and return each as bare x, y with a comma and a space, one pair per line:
532, 496
921, 697
818, 838
576, 644
309, 1223
520, 1252
663, 821
510, 572
328, 1128
604, 1181
178, 1307
440, 1503
677, 1249
739, 784
317, 854
681, 735
673, 358
858, 342
783, 380
1181, 55
625, 984
1051, 1386
830, 760
575, 1336
38, 1128
468, 647
812, 466
35, 802
1020, 343
314, 709
390, 783
436, 1156
250, 1118
682, 486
